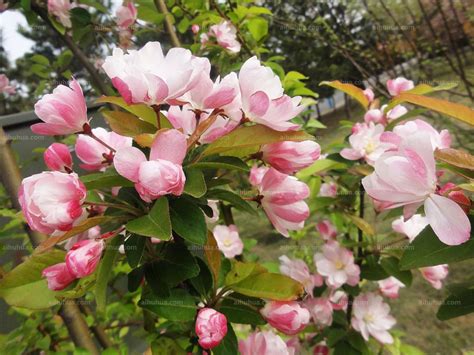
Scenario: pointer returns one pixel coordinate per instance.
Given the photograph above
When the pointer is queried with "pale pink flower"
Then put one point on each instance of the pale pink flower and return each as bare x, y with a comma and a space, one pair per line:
84, 256
328, 189
92, 233
375, 115
257, 174
211, 327
148, 76
339, 300
5, 86
213, 204
52, 201
299, 271
57, 157
366, 144
263, 343
126, 15
282, 200
228, 240
60, 9
390, 286
411, 227
288, 317
336, 263
221, 126
435, 275
95, 155
407, 177
396, 112
369, 94
326, 229
226, 36
289, 157
58, 276
294, 345
321, 310
195, 28
397, 86
62, 112
163, 173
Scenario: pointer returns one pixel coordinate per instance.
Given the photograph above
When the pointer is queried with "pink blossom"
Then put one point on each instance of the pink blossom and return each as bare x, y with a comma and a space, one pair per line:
339, 300
375, 115
390, 286
451, 191
337, 265
289, 157
228, 240
263, 343
257, 174
92, 233
60, 9
63, 112
321, 349
371, 316
211, 327
369, 94
396, 112
84, 256
299, 271
407, 177
226, 36
411, 227
294, 345
126, 15
288, 317
366, 144
195, 28
213, 204
321, 311
148, 76
57, 157
397, 86
95, 155
58, 276
282, 200
326, 229
221, 126
435, 275
328, 189
52, 201
5, 86
163, 173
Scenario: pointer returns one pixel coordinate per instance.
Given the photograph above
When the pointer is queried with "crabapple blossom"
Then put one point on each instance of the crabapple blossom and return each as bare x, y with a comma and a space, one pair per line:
371, 316
379, 116
58, 276
289, 157
288, 317
326, 229
225, 34
299, 271
321, 310
374, 115
369, 94
228, 240
60, 9
321, 349
5, 86
451, 191
126, 15
257, 174
62, 112
397, 86
411, 227
94, 155
339, 300
263, 343
390, 286
435, 275
195, 28
57, 157
336, 263
407, 177
396, 112
91, 233
294, 345
282, 198
328, 189
211, 327
84, 256
163, 173
52, 201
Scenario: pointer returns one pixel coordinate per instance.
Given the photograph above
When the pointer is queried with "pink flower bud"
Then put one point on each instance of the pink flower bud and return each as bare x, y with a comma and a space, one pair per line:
60, 9
321, 310
5, 86
369, 94
289, 157
288, 317
263, 343
211, 327
321, 349
195, 28
328, 189
435, 275
126, 16
58, 276
84, 256
397, 86
326, 229
57, 157
376, 116
389, 287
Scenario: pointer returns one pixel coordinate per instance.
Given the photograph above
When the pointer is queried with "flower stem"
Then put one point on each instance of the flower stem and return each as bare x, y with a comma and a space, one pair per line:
87, 130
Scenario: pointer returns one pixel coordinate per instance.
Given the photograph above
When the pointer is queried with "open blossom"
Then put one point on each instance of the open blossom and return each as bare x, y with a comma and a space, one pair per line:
126, 15
62, 112
407, 177
371, 316
282, 200
366, 144
289, 157
225, 34
397, 86
60, 9
163, 173
58, 276
95, 155
299, 271
263, 343
52, 201
211, 327
379, 116
84, 256
337, 265
435, 275
321, 310
328, 189
5, 85
326, 229
369, 94
288, 317
411, 227
390, 286
228, 240
57, 157
148, 76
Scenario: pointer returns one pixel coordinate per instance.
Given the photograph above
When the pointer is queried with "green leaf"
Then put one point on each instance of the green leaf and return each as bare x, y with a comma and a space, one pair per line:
127, 124
188, 221
392, 266
351, 90
318, 166
234, 199
195, 184
228, 345
95, 5
107, 179
242, 309
240, 271
179, 306
134, 247
372, 270
57, 25
423, 89
213, 257
40, 59
362, 224
221, 162
134, 279
258, 28
156, 223
457, 305
35, 295
202, 282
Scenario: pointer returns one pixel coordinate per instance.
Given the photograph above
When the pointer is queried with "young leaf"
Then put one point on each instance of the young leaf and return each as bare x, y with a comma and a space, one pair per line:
458, 158
143, 111
351, 90
188, 221
127, 124
156, 223
213, 257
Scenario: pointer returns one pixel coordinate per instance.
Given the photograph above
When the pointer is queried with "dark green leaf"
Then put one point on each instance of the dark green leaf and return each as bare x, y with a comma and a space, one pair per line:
392, 267
202, 282
195, 183
109, 178
229, 163
228, 345
135, 278
179, 306
242, 309
134, 247
231, 197
188, 221
156, 223
457, 305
